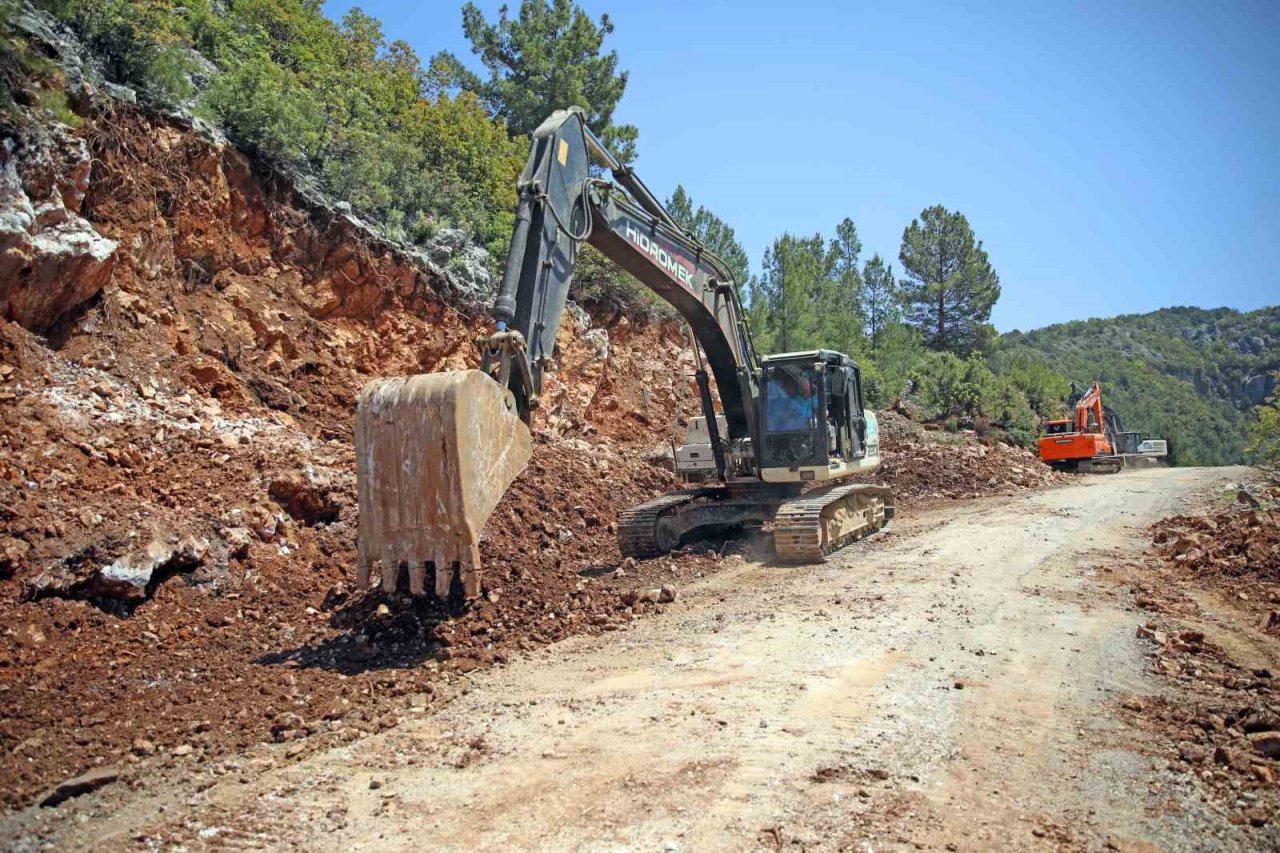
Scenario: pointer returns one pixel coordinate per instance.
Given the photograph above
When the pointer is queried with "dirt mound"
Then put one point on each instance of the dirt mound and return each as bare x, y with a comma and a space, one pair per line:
1242, 543
921, 465
1211, 586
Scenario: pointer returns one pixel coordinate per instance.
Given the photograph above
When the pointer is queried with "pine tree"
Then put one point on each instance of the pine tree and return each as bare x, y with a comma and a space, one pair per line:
841, 310
548, 57
950, 285
795, 281
880, 298
712, 232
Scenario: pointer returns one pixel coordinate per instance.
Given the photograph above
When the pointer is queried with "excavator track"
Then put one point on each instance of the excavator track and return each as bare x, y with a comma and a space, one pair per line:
639, 533
813, 525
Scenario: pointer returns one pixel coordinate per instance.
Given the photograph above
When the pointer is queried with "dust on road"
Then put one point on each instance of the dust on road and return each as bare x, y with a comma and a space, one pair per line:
951, 684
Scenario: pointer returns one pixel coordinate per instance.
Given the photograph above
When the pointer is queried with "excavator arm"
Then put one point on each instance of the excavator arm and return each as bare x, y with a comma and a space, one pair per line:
563, 205
1089, 404
435, 453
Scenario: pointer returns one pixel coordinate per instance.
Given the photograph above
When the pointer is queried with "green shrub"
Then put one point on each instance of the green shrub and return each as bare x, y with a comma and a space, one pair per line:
141, 43
1264, 435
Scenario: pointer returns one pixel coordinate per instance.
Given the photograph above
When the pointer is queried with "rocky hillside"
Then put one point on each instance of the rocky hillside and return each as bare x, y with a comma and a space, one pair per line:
1187, 374
181, 343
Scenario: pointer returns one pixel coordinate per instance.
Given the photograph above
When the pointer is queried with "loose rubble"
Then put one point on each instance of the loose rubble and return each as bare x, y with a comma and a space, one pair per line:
922, 464
1210, 584
1237, 548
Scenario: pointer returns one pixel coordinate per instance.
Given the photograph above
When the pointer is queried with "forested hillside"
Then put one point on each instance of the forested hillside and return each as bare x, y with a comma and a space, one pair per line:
1191, 375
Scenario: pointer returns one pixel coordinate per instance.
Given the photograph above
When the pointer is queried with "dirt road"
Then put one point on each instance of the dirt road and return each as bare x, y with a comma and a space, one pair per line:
950, 684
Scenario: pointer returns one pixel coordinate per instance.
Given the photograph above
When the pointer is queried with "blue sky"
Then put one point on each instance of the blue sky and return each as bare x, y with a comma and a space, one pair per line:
1113, 157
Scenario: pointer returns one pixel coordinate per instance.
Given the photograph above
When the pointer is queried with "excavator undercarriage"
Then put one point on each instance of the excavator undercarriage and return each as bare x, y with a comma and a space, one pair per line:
806, 527
436, 453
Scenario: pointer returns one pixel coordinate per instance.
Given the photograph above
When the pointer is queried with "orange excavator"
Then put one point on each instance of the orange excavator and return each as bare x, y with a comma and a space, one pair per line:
1086, 442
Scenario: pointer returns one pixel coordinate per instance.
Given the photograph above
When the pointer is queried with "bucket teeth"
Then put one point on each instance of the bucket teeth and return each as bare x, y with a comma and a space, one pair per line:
434, 455
417, 574
444, 579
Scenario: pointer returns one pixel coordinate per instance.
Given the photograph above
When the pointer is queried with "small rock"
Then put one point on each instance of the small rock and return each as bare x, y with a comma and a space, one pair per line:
337, 594
1233, 758
183, 750
82, 784
1266, 744
1192, 753
666, 595
142, 746
238, 541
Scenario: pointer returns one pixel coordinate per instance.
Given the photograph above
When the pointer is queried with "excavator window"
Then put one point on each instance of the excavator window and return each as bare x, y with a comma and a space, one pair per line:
791, 398
1057, 427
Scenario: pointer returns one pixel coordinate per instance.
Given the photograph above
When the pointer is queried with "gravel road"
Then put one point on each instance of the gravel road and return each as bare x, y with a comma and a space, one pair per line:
951, 683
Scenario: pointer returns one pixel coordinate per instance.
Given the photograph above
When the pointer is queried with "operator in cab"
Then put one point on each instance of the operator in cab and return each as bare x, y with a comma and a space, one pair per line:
792, 405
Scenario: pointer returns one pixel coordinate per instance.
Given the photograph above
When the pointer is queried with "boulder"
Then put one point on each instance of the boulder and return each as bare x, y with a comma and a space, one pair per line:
309, 494
1266, 744
51, 259
130, 578
599, 341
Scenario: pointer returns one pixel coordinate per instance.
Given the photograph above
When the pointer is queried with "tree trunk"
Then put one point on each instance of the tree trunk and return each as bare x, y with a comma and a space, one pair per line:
942, 321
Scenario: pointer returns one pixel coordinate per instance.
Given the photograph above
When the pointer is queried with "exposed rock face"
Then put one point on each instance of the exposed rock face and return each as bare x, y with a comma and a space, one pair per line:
1257, 389
51, 259
465, 264
206, 396
56, 40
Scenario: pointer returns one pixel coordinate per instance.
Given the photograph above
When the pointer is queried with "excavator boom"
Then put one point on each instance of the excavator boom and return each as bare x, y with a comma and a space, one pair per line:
561, 206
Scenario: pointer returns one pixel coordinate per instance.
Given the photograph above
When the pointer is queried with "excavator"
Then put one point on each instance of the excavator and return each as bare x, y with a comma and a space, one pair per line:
1087, 442
436, 452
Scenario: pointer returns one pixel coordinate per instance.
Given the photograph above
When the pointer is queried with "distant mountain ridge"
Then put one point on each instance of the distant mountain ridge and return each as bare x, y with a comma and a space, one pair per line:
1191, 375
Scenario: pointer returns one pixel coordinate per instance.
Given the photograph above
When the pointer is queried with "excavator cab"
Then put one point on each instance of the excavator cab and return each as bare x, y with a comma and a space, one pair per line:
813, 422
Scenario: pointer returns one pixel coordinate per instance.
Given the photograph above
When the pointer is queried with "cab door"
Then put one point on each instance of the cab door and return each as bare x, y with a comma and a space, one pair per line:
857, 419
850, 424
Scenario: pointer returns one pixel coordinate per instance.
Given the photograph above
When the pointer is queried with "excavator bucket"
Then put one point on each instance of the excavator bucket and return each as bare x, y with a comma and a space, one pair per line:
434, 455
